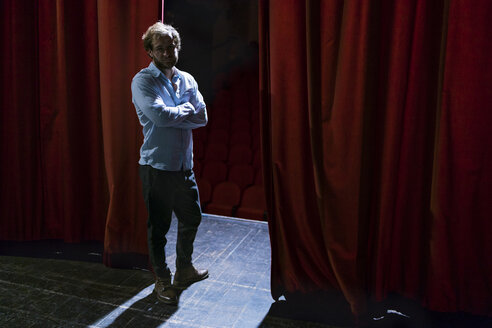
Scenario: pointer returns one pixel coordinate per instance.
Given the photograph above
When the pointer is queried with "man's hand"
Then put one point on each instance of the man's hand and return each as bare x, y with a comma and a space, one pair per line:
186, 108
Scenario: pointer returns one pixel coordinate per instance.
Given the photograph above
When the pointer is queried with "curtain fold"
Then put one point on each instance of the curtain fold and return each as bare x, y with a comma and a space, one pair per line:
70, 136
349, 100
121, 57
460, 273
52, 165
21, 200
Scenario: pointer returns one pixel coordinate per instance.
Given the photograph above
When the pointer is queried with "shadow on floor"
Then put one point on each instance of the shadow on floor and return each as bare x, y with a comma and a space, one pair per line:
322, 310
400, 312
313, 310
88, 251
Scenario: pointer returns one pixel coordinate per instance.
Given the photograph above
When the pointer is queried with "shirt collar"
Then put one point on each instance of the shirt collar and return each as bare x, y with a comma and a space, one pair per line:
156, 72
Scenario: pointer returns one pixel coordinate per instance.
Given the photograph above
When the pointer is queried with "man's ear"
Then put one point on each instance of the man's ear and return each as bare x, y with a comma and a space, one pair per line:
149, 53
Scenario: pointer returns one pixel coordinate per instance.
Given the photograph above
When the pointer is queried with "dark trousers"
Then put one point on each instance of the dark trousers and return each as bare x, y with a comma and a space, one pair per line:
165, 192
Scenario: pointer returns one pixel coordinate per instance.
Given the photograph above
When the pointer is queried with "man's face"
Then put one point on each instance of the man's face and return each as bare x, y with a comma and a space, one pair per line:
164, 52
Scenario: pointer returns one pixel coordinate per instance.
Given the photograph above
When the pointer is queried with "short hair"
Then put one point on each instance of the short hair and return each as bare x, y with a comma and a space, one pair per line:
160, 29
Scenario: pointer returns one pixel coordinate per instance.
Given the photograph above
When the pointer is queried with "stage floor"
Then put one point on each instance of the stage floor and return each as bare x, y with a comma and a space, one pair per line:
51, 292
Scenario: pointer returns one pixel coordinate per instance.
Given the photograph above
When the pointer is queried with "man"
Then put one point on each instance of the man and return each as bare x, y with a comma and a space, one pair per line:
169, 106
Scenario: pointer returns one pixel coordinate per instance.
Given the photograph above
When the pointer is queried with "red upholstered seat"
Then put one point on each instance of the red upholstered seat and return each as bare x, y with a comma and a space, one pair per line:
214, 171
240, 138
216, 152
200, 134
241, 111
198, 149
240, 154
242, 175
218, 136
225, 198
220, 123
197, 168
222, 101
220, 111
205, 191
240, 99
240, 125
253, 205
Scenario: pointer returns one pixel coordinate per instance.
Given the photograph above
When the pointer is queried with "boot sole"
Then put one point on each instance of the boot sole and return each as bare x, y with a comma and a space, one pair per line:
167, 301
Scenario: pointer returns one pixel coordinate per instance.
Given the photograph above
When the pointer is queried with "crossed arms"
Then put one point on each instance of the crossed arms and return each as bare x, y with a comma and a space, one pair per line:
191, 114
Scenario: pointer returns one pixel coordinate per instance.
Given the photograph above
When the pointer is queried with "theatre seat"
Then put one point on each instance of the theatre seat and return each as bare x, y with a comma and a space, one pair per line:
200, 134
242, 175
240, 138
216, 151
240, 154
225, 198
214, 171
240, 125
220, 111
218, 136
220, 123
198, 149
197, 168
253, 205
205, 191
222, 103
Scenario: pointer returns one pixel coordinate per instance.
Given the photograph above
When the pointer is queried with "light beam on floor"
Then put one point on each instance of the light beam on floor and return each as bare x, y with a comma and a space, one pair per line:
112, 316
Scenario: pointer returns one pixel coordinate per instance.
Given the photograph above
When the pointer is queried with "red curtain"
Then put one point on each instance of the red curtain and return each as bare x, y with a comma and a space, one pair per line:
375, 151
121, 57
70, 136
460, 273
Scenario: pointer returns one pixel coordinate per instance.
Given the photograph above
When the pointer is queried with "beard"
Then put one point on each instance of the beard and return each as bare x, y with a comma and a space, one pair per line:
167, 63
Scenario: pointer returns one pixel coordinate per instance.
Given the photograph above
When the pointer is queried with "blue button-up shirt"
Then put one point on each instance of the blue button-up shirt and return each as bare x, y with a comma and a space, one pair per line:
167, 126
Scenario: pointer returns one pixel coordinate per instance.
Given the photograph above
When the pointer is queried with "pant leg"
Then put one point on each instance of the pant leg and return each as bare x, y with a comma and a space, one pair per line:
158, 196
189, 214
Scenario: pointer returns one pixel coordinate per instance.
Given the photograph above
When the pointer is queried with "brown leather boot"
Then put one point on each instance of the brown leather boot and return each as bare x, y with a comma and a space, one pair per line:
165, 292
187, 276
